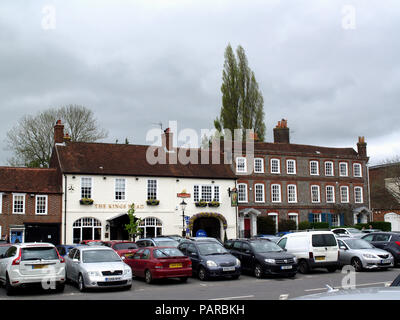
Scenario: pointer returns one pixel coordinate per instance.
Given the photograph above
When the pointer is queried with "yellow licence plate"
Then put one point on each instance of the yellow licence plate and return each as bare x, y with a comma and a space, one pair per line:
175, 265
39, 266
319, 258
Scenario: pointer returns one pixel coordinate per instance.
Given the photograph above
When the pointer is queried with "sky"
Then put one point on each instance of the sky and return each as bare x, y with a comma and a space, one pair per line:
331, 68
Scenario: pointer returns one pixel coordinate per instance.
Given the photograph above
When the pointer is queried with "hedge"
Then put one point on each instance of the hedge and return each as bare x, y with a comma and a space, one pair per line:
286, 225
381, 225
265, 225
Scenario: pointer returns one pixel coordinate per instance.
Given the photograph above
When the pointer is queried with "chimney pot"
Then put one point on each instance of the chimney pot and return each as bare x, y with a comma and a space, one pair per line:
281, 132
59, 132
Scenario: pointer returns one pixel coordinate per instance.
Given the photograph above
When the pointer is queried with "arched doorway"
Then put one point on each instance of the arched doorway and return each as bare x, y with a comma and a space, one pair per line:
150, 227
212, 223
86, 229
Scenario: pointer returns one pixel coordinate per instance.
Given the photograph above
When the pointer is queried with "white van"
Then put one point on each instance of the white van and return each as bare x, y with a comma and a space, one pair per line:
313, 249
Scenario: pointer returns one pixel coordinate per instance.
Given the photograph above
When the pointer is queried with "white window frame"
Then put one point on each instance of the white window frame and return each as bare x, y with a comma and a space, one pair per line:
287, 166
357, 165
123, 193
295, 193
262, 165
361, 194
272, 193
263, 192
316, 167
148, 189
347, 194
1, 205
333, 194
23, 195
332, 168
36, 204
319, 217
91, 187
245, 193
276, 216
312, 194
294, 214
340, 169
279, 165
337, 222
196, 193
244, 163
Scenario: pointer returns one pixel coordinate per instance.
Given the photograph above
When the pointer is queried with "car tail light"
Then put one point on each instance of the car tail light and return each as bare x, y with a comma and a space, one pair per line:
62, 260
311, 256
189, 264
158, 265
398, 243
18, 260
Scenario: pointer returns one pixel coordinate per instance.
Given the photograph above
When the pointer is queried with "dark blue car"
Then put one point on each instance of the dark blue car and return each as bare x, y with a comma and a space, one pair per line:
63, 249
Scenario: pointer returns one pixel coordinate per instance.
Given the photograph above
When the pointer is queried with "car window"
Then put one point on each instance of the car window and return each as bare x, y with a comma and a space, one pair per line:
140, 243
211, 248
382, 237
245, 247
77, 255
145, 255
368, 237
39, 253
341, 243
3, 249
282, 243
237, 245
138, 254
71, 253
357, 244
125, 246
11, 252
99, 256
191, 249
183, 247
167, 252
228, 244
339, 231
323, 240
61, 251
264, 246
166, 243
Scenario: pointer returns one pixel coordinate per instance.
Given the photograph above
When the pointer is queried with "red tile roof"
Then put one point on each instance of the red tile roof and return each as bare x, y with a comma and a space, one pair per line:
35, 180
130, 160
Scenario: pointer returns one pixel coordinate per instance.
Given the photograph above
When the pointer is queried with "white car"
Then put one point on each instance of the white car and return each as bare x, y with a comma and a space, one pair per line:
313, 249
32, 263
348, 232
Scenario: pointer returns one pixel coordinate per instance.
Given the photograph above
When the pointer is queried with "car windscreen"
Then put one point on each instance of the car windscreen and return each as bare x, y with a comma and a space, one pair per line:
211, 248
167, 252
265, 246
95, 256
353, 230
39, 253
323, 240
125, 246
166, 243
358, 244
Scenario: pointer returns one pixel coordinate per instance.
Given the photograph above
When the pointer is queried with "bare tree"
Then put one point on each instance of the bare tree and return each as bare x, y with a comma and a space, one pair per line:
32, 139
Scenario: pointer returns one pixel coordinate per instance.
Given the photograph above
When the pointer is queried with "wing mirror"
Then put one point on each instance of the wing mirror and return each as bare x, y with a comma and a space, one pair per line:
75, 260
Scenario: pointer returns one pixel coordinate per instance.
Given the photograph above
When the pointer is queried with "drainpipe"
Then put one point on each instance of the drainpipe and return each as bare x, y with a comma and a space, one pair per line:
237, 215
65, 209
369, 194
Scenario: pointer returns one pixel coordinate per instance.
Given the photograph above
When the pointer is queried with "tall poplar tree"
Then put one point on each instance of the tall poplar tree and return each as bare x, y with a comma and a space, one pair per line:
242, 100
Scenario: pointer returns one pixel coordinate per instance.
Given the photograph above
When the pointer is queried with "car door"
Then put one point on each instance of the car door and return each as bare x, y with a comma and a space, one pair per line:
247, 256
8, 256
75, 265
68, 263
135, 262
345, 253
236, 250
144, 262
381, 240
194, 256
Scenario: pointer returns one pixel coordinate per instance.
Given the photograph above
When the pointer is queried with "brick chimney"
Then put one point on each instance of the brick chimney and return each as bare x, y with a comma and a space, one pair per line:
281, 132
167, 141
59, 132
362, 147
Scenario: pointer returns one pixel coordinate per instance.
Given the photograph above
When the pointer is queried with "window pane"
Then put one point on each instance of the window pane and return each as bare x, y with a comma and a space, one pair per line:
151, 189
119, 189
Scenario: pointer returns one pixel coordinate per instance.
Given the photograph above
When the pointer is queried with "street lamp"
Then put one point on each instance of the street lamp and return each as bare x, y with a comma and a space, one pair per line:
183, 205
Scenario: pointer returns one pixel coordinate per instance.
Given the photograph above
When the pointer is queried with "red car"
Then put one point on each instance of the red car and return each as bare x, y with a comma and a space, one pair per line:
93, 242
160, 262
123, 248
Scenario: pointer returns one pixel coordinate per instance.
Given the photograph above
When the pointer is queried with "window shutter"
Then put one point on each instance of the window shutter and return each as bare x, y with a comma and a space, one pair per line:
310, 217
329, 218
323, 217
342, 219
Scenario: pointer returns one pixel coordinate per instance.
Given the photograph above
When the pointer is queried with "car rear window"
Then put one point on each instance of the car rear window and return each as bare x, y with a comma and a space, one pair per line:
125, 246
167, 252
167, 243
39, 253
323, 240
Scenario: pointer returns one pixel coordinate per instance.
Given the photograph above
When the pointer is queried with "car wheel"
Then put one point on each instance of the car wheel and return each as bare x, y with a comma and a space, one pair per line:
9, 288
357, 265
303, 267
184, 279
203, 274
148, 277
258, 271
81, 283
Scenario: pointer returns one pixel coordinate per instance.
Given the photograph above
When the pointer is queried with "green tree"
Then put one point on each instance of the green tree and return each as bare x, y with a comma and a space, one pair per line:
265, 225
286, 225
133, 226
242, 101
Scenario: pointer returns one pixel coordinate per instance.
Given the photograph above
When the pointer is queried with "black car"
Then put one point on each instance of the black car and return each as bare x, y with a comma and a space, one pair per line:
389, 241
210, 259
262, 257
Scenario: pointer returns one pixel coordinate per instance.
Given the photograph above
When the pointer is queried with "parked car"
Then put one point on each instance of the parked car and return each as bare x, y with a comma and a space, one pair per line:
210, 259
351, 232
173, 236
388, 241
123, 248
208, 239
268, 237
97, 267
370, 230
27, 264
313, 249
93, 242
63, 249
160, 263
262, 257
157, 242
362, 255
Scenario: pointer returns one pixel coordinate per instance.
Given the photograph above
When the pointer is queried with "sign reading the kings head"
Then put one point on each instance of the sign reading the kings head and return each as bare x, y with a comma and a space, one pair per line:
116, 206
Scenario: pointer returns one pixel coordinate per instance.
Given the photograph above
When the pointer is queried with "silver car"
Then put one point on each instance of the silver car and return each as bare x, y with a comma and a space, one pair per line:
349, 232
362, 255
97, 267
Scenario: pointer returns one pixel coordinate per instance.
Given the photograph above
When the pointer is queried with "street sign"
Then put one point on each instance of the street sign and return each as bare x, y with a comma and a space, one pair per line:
201, 233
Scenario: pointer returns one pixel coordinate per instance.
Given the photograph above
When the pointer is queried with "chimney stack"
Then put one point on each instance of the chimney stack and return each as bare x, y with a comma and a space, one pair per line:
58, 132
167, 141
281, 132
362, 147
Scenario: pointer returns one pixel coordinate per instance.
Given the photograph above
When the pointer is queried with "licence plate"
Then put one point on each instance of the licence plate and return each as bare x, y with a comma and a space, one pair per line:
39, 266
228, 269
113, 279
386, 261
319, 258
175, 265
128, 255
286, 267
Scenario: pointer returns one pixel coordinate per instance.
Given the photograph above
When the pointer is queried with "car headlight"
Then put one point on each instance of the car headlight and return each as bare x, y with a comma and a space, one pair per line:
127, 271
211, 264
295, 260
369, 256
238, 262
94, 274
269, 260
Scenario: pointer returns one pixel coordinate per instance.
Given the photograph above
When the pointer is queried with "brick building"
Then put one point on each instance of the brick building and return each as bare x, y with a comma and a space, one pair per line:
302, 183
30, 205
385, 193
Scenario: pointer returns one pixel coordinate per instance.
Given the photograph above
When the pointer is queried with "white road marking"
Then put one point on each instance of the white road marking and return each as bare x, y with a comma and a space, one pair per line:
357, 285
231, 298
